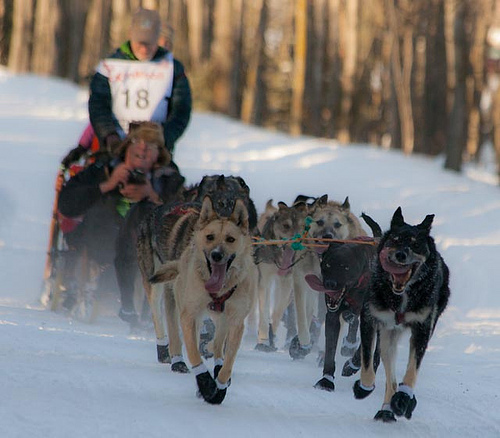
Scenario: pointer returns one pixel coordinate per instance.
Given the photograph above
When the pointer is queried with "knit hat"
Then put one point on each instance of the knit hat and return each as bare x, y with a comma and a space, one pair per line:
145, 27
149, 132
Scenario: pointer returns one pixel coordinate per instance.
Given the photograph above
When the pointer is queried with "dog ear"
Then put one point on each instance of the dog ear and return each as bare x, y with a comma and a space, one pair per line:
243, 185
323, 200
346, 205
207, 212
282, 206
240, 215
221, 183
166, 272
426, 223
397, 219
376, 230
301, 207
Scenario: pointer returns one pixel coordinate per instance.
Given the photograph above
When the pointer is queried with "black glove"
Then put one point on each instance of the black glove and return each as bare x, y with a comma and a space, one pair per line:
73, 155
112, 141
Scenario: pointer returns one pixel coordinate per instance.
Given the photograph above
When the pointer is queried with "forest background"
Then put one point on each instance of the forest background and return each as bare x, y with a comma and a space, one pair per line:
417, 75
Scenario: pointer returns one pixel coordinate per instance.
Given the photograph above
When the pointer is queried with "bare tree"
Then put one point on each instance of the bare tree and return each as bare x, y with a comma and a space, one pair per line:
22, 36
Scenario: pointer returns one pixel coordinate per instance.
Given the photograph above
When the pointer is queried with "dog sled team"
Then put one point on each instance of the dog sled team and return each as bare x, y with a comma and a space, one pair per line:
206, 258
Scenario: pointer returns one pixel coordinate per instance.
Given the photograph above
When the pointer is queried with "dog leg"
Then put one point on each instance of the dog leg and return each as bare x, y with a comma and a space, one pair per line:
403, 401
282, 299
388, 348
349, 343
300, 289
364, 387
156, 301
265, 284
206, 384
332, 332
172, 317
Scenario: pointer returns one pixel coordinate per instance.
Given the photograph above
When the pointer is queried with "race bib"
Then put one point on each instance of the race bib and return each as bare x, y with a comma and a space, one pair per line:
139, 90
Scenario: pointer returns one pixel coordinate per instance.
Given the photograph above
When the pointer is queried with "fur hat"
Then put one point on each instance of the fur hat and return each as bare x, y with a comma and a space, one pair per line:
145, 27
151, 132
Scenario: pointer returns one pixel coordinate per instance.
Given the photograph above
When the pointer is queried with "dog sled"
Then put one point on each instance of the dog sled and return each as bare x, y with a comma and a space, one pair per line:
76, 266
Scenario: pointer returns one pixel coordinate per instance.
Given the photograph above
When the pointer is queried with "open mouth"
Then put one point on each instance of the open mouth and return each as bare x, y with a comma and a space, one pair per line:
400, 273
334, 298
287, 256
217, 274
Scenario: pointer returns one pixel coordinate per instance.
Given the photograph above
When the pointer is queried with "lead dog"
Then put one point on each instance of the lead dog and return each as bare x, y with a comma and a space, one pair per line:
215, 274
408, 290
164, 235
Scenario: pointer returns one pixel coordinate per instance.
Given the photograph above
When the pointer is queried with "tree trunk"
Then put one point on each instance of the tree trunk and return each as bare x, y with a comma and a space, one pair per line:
21, 44
299, 75
97, 30
222, 52
6, 10
349, 49
45, 49
251, 91
457, 131
402, 75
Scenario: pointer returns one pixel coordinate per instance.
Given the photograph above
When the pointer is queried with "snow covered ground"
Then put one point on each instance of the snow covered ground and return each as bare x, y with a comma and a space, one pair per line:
63, 378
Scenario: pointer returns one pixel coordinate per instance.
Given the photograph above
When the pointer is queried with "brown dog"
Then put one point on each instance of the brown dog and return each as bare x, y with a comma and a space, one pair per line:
215, 275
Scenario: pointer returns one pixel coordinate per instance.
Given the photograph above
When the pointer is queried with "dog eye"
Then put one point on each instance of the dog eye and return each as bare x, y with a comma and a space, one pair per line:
337, 225
286, 226
230, 239
328, 265
321, 222
210, 237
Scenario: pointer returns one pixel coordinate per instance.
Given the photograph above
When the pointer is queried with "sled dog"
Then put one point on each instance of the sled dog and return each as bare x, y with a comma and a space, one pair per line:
164, 236
330, 220
215, 274
275, 264
344, 279
408, 290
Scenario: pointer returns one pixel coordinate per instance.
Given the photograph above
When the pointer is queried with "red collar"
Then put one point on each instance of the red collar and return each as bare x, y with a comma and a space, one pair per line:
217, 303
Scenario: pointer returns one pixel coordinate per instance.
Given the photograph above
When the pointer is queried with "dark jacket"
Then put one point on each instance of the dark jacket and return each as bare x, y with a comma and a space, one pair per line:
179, 105
82, 192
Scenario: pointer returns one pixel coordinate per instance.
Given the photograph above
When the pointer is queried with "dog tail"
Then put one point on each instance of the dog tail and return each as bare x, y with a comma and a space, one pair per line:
376, 230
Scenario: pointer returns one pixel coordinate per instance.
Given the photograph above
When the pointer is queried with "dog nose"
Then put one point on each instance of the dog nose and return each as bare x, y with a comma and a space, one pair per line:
400, 256
330, 283
328, 236
216, 256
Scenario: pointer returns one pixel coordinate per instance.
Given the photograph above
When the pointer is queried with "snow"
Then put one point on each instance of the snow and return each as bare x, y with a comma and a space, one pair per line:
64, 378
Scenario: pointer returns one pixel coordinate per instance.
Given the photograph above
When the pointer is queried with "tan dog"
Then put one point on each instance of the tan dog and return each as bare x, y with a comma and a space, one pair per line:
275, 264
215, 274
330, 220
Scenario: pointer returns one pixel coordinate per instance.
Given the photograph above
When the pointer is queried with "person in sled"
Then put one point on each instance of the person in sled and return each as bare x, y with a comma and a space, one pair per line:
140, 81
113, 196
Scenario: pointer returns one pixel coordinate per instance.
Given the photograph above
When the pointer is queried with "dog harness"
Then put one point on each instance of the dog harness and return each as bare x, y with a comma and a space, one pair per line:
217, 303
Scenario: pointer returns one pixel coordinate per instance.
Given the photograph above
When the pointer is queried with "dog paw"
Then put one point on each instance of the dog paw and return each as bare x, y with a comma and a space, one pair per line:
325, 384
265, 348
298, 351
206, 385
403, 403
217, 369
218, 398
180, 367
163, 354
360, 392
385, 416
349, 369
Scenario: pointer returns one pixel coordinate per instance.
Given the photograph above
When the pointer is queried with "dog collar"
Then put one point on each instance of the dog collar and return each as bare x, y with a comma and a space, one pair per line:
217, 303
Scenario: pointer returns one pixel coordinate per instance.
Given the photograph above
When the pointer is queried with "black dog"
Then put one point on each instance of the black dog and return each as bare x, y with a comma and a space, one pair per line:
408, 290
345, 272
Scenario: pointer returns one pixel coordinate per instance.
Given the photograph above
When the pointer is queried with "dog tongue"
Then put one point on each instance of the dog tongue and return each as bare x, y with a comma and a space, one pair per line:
216, 280
286, 261
391, 267
315, 283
